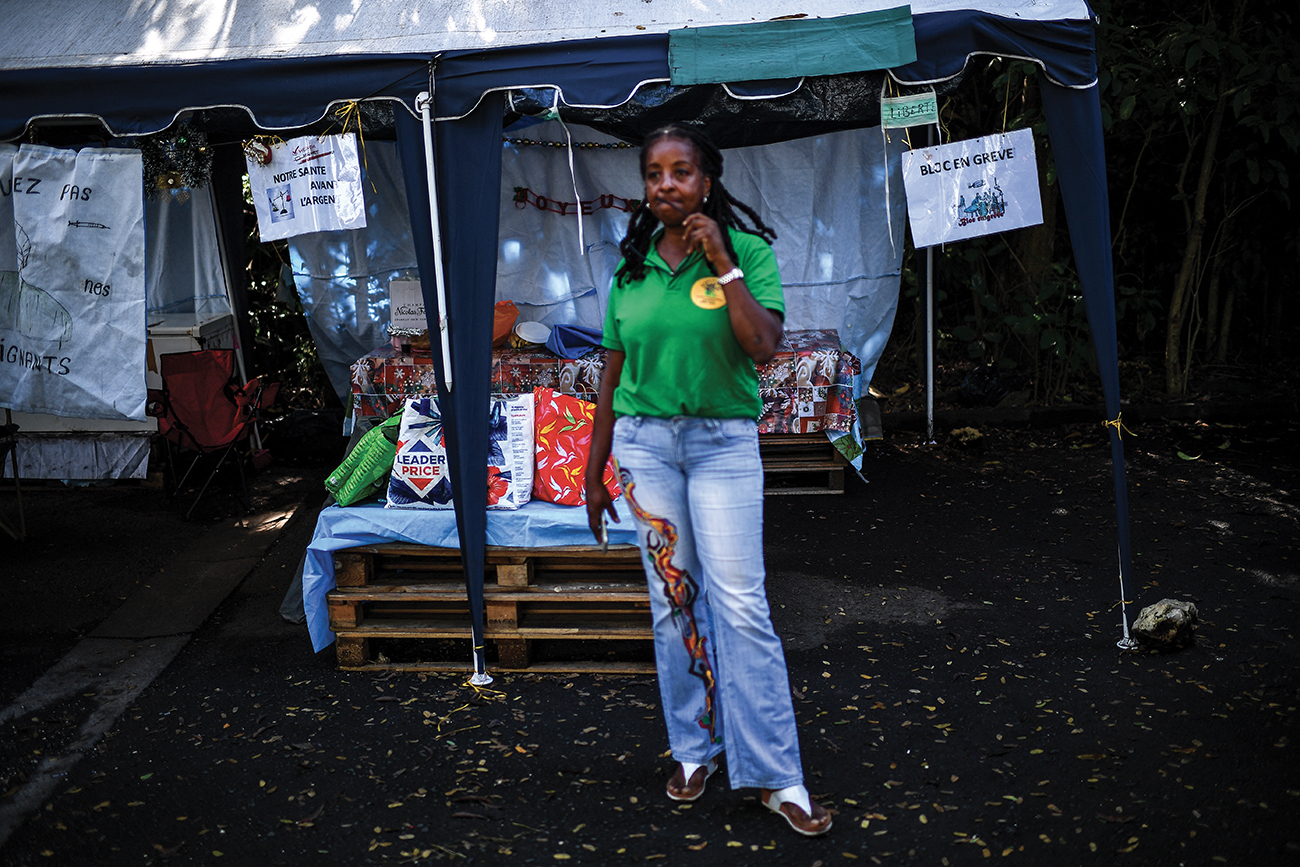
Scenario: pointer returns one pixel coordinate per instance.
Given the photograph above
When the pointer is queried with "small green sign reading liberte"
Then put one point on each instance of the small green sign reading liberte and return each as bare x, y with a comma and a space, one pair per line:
916, 110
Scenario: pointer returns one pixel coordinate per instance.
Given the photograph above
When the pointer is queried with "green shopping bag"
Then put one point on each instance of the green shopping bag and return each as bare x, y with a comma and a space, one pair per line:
365, 471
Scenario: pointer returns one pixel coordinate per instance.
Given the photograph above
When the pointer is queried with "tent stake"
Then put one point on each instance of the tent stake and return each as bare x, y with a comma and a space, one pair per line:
1127, 642
425, 103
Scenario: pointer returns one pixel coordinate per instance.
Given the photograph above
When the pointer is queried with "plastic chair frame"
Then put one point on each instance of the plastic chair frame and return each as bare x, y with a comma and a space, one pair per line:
242, 494
9, 446
201, 452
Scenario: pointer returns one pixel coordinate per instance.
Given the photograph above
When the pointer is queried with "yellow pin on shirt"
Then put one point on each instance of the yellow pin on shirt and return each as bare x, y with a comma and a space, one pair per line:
707, 294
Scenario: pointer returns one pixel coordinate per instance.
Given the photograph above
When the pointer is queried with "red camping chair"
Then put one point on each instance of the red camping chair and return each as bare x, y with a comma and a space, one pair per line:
201, 408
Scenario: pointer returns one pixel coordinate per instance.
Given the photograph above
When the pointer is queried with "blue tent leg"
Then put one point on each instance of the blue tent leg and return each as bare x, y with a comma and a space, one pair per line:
468, 161
1074, 124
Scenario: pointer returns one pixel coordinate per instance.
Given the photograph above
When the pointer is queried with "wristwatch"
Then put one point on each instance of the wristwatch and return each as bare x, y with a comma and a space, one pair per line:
733, 274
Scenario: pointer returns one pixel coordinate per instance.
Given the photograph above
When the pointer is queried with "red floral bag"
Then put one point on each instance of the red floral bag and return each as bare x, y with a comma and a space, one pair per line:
562, 427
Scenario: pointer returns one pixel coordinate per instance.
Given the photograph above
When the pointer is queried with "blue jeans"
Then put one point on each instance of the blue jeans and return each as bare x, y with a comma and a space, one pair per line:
695, 486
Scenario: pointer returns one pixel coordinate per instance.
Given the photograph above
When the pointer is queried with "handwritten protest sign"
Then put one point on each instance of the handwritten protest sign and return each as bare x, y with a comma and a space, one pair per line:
309, 184
898, 112
974, 187
72, 299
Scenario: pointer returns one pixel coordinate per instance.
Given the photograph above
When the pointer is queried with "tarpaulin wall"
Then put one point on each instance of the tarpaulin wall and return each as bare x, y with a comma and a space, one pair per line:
342, 276
467, 158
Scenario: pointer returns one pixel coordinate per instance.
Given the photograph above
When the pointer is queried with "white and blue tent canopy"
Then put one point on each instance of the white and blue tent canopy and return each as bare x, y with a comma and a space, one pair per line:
622, 66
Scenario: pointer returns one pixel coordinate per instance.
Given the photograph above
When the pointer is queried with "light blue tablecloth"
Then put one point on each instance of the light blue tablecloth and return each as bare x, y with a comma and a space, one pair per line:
536, 525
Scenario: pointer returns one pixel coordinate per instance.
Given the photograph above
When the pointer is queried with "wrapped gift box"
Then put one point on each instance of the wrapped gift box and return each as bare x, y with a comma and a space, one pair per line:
806, 388
383, 379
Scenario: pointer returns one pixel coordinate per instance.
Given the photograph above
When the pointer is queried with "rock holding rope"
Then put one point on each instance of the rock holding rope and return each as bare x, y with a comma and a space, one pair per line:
1168, 624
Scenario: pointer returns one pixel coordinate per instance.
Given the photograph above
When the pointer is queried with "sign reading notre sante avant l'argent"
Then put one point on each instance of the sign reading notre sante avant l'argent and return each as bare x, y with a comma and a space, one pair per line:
310, 184
72, 299
975, 187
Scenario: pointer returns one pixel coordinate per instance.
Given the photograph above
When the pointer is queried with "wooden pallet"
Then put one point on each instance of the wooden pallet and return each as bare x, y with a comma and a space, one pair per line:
532, 597
801, 464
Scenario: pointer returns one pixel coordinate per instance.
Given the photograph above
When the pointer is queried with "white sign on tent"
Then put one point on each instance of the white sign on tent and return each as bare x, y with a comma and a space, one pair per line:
969, 188
72, 299
406, 306
307, 184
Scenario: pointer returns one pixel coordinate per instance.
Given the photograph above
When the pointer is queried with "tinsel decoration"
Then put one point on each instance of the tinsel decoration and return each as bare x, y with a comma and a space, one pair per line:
349, 114
171, 182
177, 161
579, 145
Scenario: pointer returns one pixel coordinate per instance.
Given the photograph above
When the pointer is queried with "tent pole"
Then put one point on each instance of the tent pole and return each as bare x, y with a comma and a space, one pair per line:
230, 302
929, 328
425, 103
929, 345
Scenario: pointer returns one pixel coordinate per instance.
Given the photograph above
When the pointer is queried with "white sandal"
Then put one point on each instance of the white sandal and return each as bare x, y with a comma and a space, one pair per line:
689, 770
804, 816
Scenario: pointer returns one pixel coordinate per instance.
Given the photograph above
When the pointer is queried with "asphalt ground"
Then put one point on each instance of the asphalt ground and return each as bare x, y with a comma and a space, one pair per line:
950, 629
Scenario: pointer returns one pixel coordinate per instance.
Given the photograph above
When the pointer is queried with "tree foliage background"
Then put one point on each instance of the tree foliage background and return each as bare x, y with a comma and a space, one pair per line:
1199, 103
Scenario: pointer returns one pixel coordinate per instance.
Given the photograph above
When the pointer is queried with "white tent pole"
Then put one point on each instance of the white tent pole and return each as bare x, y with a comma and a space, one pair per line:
929, 328
929, 345
230, 302
425, 103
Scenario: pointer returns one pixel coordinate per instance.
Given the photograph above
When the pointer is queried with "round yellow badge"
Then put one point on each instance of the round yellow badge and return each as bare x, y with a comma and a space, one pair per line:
707, 294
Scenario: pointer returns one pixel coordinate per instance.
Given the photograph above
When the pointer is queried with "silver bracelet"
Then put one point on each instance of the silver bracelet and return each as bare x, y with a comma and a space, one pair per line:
733, 274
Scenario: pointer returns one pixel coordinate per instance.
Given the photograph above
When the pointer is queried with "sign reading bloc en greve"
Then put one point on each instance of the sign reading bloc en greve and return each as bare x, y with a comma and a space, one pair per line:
975, 187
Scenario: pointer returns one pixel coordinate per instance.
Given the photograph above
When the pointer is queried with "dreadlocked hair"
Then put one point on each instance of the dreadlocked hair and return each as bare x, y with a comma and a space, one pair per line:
721, 206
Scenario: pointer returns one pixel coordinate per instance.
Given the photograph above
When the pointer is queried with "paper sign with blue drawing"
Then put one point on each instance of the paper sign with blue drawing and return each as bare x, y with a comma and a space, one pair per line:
307, 184
974, 187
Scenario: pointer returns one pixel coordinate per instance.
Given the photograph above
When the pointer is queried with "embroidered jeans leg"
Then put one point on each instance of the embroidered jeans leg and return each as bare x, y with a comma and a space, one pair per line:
697, 489
683, 639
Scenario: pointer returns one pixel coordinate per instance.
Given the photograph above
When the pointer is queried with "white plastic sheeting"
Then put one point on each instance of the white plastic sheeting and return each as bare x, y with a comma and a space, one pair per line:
185, 295
72, 299
183, 270
826, 197
103, 455
342, 277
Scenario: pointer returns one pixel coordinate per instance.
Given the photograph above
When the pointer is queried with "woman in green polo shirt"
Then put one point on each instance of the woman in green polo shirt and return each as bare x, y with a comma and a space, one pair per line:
695, 303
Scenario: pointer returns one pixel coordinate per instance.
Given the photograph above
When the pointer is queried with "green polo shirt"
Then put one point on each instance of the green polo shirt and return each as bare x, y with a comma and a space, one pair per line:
682, 357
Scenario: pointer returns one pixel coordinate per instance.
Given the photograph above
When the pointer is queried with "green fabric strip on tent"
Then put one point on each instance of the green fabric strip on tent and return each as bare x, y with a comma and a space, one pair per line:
792, 48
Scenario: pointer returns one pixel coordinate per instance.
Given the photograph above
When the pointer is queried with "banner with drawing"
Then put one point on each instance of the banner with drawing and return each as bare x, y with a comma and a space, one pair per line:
975, 187
307, 184
72, 300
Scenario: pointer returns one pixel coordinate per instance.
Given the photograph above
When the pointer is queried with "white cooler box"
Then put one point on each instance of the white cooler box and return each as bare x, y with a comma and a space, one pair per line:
180, 333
